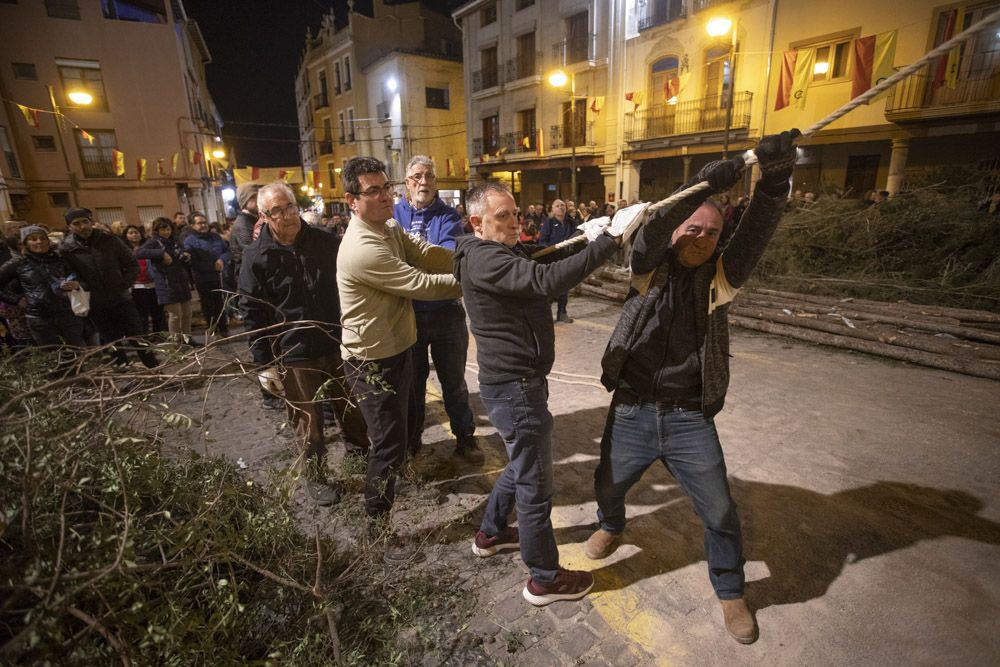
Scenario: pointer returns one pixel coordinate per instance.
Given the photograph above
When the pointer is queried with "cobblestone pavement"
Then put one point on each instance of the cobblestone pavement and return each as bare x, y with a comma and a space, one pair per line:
867, 491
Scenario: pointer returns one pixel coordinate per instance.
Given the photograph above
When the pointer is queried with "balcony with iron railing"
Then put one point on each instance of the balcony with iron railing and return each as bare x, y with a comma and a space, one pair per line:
575, 49
703, 115
658, 12
320, 101
925, 95
519, 142
523, 66
698, 5
485, 78
560, 136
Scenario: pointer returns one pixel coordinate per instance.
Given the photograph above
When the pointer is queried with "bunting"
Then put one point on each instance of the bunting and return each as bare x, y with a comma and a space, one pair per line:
119, 161
596, 104
539, 146
254, 173
30, 115
449, 167
88, 137
160, 168
140, 169
785, 78
526, 142
635, 97
873, 57
173, 163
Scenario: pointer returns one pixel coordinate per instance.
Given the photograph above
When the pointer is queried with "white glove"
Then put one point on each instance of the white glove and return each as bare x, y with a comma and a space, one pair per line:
627, 220
271, 381
594, 227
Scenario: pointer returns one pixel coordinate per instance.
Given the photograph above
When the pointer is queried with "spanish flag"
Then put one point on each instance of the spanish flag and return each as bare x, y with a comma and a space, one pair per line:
119, 160
89, 138
635, 97
873, 57
597, 103
140, 169
449, 167
30, 115
946, 70
173, 163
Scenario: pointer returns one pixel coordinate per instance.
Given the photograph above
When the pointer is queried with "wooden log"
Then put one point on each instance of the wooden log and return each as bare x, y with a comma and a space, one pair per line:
963, 314
968, 333
870, 313
924, 342
940, 361
587, 288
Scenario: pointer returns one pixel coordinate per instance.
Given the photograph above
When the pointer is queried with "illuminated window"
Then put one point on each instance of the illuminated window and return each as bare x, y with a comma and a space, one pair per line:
83, 75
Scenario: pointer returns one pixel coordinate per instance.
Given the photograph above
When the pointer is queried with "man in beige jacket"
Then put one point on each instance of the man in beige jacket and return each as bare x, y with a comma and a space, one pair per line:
380, 269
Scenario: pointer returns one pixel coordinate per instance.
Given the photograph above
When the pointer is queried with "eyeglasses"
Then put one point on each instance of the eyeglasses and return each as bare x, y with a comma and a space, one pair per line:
425, 177
281, 211
373, 192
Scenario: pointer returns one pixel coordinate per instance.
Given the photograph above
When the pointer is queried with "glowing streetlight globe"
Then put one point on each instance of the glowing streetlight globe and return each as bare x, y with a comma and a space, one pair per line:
558, 79
718, 27
218, 153
80, 98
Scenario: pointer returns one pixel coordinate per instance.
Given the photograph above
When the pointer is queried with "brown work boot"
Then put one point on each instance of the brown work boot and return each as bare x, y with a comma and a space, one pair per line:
739, 620
601, 544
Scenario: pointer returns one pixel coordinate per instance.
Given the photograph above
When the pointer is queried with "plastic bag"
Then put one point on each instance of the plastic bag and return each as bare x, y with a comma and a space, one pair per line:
79, 300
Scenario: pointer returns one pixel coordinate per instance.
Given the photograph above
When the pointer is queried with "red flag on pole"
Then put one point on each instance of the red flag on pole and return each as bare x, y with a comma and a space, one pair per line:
119, 160
254, 173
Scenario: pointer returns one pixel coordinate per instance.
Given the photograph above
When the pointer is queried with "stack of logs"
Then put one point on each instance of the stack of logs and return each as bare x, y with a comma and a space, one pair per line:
953, 339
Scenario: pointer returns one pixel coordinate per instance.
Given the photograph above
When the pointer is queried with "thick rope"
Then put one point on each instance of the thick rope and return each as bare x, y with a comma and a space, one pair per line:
863, 98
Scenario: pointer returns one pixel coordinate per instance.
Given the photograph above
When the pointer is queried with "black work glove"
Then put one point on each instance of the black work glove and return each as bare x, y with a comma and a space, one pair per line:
776, 157
722, 175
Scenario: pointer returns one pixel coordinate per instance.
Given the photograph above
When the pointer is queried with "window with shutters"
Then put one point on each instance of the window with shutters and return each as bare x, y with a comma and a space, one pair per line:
97, 158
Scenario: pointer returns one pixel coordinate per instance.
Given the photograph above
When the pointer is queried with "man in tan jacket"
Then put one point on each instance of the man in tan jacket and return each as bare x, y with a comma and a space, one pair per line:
380, 269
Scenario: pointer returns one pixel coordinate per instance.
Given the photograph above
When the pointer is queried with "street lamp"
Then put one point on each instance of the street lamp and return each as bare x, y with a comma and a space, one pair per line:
80, 98
558, 79
718, 27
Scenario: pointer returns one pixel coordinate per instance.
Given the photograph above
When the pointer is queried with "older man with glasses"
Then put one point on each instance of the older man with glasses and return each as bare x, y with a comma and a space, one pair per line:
288, 285
380, 270
440, 324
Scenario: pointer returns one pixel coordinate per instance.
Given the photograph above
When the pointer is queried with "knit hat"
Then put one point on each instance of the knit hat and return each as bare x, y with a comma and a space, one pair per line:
33, 229
76, 213
245, 193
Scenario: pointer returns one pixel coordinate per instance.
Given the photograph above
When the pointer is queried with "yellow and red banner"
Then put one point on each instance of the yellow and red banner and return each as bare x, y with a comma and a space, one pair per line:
140, 169
88, 137
30, 115
785, 78
173, 163
804, 63
873, 56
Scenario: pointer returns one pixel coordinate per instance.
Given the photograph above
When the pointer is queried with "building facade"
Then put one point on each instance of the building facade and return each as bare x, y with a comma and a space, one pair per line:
664, 86
387, 85
142, 66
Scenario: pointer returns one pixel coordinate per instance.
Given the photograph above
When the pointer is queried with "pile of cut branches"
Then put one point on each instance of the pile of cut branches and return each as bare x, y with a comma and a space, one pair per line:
111, 553
926, 246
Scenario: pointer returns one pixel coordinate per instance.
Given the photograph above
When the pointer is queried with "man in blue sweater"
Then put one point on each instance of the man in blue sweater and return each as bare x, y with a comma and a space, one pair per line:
440, 324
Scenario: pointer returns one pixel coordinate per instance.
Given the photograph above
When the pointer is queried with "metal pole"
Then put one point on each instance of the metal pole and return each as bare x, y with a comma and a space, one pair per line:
62, 146
732, 91
572, 134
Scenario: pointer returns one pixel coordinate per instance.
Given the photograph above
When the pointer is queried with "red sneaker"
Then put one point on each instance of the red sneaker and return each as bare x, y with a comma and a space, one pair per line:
484, 546
568, 585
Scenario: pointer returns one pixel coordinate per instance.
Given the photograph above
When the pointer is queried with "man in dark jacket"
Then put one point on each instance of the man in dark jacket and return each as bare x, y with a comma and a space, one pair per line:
507, 296
103, 263
668, 363
440, 324
289, 276
557, 228
242, 230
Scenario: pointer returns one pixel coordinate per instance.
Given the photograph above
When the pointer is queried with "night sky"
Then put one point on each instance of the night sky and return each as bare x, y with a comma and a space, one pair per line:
255, 47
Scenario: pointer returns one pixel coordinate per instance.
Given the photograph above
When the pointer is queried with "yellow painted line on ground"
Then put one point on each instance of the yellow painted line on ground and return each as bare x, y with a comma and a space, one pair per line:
618, 604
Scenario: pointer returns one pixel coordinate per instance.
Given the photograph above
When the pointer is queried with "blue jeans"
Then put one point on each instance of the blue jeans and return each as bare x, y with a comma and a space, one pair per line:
688, 445
519, 411
443, 330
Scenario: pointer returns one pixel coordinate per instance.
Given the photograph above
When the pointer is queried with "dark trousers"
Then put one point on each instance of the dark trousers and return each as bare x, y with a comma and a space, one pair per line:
444, 333
561, 302
213, 306
115, 322
520, 412
385, 393
60, 330
149, 310
302, 380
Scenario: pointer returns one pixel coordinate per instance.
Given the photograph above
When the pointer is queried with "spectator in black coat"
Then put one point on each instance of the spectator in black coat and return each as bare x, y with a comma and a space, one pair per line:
169, 268
106, 266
